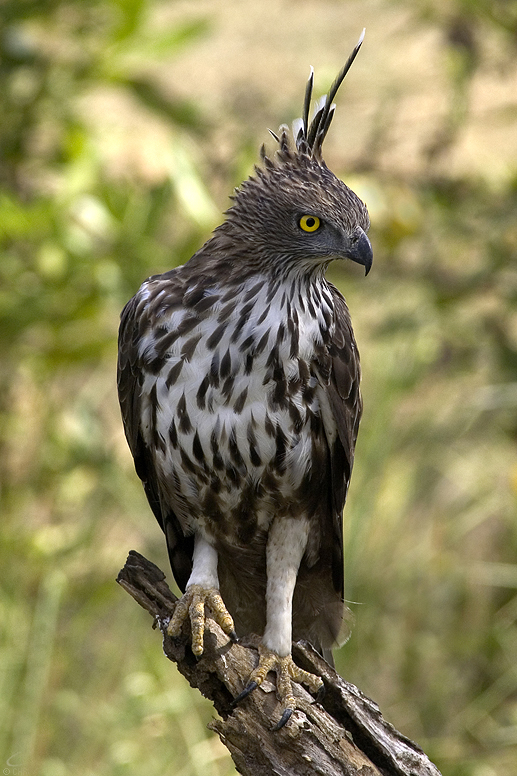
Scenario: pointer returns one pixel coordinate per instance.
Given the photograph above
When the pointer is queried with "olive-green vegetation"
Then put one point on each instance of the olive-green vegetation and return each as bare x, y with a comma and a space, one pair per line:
107, 175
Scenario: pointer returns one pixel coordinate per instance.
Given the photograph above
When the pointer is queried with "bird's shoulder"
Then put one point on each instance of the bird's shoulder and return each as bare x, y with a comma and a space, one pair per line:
346, 368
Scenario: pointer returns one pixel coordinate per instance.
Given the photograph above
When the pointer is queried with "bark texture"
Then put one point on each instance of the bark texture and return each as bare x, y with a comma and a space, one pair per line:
342, 735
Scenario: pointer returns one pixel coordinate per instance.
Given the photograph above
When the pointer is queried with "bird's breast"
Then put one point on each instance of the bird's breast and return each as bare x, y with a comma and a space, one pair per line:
234, 411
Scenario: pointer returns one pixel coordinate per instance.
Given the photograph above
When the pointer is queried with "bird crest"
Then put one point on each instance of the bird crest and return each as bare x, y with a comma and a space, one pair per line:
308, 134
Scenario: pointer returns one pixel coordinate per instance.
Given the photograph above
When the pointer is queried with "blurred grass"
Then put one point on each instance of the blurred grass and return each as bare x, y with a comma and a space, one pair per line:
109, 173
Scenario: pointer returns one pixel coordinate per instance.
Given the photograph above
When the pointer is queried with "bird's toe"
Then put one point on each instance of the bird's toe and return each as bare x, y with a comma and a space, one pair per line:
286, 672
192, 605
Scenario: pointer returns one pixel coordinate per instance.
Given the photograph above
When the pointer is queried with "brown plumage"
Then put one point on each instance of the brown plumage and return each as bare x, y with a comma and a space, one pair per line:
239, 387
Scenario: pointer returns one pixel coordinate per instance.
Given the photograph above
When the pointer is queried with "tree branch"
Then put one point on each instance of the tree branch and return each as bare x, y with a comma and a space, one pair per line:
344, 734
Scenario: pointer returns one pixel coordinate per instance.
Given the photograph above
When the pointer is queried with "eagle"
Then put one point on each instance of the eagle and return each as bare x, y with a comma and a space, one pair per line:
238, 380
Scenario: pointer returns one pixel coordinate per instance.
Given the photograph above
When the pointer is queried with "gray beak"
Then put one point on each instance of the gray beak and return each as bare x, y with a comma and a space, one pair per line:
360, 250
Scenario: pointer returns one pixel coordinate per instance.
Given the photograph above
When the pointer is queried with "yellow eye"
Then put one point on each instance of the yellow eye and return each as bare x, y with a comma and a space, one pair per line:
309, 223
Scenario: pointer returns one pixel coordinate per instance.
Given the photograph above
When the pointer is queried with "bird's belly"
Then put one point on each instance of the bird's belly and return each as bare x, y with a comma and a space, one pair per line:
232, 452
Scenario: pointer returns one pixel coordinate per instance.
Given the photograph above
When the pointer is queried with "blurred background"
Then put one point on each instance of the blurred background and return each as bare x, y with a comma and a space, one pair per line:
124, 126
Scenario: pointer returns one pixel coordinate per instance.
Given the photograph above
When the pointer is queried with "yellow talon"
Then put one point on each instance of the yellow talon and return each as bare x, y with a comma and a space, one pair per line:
286, 672
192, 604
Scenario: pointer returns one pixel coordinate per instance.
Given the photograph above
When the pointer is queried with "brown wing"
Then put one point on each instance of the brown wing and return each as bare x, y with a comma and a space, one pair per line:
319, 595
346, 404
339, 373
134, 321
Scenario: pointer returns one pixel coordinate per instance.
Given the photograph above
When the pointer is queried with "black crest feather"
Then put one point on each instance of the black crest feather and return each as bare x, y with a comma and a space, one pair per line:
309, 135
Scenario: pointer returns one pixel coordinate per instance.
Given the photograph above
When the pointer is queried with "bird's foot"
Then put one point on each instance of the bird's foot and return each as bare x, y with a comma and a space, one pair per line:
286, 672
192, 605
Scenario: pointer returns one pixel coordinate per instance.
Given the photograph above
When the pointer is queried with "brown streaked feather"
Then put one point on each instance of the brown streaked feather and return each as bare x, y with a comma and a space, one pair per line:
129, 382
346, 402
339, 375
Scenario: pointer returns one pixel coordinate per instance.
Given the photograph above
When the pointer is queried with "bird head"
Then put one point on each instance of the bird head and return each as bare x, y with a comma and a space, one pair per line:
294, 214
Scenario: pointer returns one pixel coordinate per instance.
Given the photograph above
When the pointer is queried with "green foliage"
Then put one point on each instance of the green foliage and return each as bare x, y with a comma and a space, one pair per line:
431, 530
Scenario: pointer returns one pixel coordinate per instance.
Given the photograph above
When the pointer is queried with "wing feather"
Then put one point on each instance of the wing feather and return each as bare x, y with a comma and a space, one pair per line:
341, 384
321, 584
134, 322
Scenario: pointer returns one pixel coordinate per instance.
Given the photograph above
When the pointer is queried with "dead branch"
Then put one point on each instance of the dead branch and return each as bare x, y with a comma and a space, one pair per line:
344, 735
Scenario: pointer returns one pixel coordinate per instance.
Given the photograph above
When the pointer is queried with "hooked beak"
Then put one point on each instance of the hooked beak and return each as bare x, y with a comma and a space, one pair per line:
360, 250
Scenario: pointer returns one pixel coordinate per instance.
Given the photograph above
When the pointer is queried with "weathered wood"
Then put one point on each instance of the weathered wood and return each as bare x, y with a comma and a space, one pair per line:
343, 735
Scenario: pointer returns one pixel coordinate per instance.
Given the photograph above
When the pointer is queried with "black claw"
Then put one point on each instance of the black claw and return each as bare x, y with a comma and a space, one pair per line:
233, 636
244, 694
286, 716
320, 694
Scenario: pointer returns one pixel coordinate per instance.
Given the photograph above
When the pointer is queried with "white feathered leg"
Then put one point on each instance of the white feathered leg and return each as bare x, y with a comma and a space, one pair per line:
202, 589
286, 544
